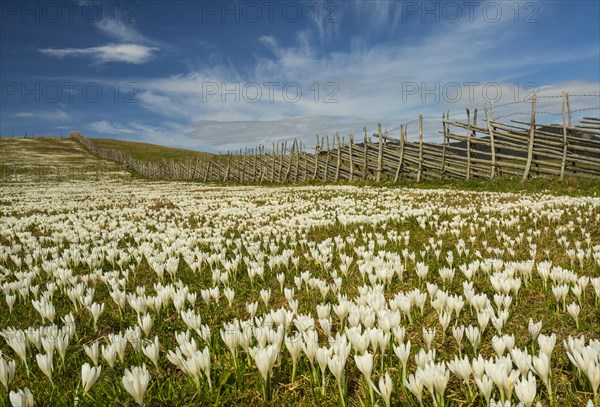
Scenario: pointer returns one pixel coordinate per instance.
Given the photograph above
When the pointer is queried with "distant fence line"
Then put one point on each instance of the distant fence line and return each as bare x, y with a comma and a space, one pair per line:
470, 149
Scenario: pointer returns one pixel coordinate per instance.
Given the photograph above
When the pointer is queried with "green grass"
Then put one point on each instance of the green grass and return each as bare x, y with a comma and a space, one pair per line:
147, 151
551, 185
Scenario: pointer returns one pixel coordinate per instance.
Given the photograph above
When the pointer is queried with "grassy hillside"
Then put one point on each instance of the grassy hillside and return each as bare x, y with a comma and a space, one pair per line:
45, 158
147, 151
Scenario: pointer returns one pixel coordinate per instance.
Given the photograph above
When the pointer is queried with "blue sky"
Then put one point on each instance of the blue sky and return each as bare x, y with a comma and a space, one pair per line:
219, 76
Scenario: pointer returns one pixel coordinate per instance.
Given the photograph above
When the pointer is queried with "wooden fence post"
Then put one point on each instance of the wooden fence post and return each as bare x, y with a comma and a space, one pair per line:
420, 171
305, 155
207, 171
574, 162
317, 151
474, 136
282, 158
297, 165
445, 130
468, 176
326, 176
402, 140
365, 158
339, 157
351, 155
492, 142
531, 140
565, 140
379, 153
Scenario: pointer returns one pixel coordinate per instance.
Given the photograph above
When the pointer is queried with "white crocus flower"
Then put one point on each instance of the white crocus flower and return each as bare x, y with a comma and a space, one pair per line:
364, 363
541, 367
485, 385
92, 352
96, 309
385, 388
526, 389
109, 353
136, 382
547, 343
265, 359
337, 364
229, 294
7, 371
415, 385
46, 364
89, 375
402, 351
474, 336
152, 350
573, 310
322, 358
145, 323
21, 398
294, 346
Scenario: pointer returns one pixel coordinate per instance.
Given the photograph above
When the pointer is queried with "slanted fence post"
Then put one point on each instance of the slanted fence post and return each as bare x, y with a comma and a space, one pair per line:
468, 176
445, 130
339, 157
351, 157
317, 151
570, 125
565, 140
420, 170
402, 140
379, 153
531, 139
326, 176
492, 142
365, 158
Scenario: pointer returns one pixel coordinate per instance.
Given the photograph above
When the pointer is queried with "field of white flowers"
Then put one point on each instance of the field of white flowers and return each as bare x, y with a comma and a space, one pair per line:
180, 294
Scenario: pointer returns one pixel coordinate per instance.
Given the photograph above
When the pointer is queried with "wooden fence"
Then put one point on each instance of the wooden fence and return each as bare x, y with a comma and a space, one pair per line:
19, 172
470, 149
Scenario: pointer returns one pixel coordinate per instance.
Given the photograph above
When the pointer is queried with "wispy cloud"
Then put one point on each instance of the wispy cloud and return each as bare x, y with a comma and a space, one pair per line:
127, 53
121, 31
53, 114
131, 46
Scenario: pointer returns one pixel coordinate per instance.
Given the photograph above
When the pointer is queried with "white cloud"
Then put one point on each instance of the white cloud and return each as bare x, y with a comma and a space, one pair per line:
130, 47
54, 115
120, 31
106, 128
127, 53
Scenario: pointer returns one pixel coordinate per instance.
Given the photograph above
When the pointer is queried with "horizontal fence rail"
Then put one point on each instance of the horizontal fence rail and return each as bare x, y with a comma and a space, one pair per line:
470, 149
